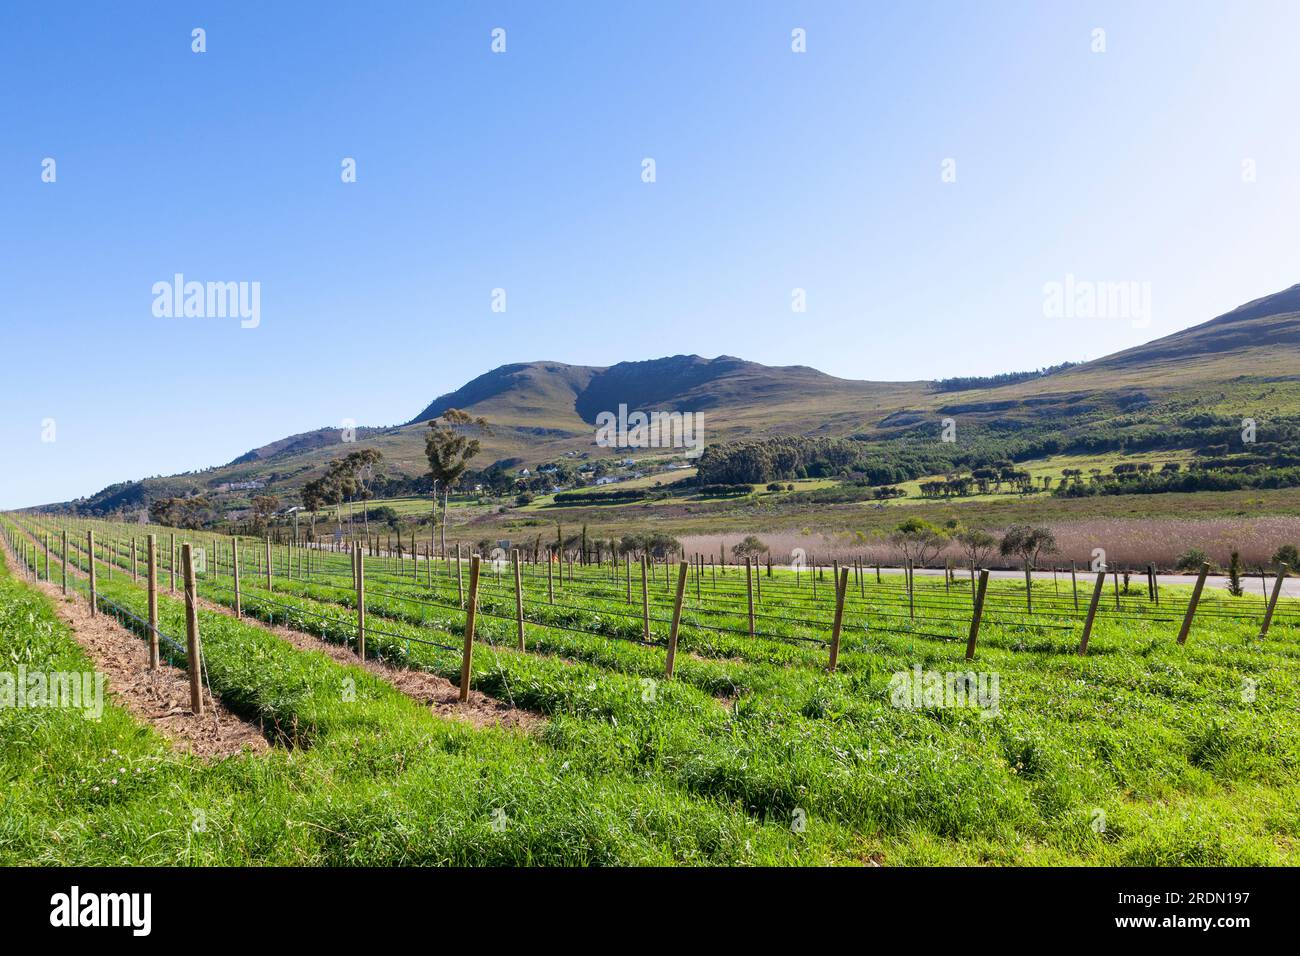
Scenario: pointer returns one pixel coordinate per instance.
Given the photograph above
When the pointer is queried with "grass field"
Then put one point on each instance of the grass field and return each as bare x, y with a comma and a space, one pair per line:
1144, 752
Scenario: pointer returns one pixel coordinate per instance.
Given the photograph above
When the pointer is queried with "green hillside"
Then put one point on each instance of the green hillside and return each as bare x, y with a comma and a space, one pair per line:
1245, 363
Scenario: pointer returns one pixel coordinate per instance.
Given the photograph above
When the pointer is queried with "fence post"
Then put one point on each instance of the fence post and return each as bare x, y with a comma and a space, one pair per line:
1272, 601
151, 567
90, 550
841, 586
1191, 606
677, 620
193, 650
1092, 612
911, 585
361, 604
234, 570
645, 602
1074, 585
978, 613
519, 598
749, 589
467, 656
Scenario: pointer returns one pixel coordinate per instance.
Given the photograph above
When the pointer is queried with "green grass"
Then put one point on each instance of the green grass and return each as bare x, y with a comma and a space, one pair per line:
1158, 738
374, 780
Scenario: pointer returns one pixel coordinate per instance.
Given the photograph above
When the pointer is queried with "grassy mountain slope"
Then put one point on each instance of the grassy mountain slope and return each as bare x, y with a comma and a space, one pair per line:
1244, 362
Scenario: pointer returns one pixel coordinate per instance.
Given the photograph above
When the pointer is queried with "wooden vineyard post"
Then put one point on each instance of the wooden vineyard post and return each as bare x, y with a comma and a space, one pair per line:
135, 576
1155, 585
1029, 588
151, 568
234, 570
841, 586
1272, 601
550, 579
645, 602
64, 562
677, 620
1092, 612
1115, 578
45, 539
519, 599
1191, 605
749, 588
977, 614
193, 650
1074, 585
361, 604
467, 657
460, 583
1151, 582
90, 563
911, 595
171, 564
269, 586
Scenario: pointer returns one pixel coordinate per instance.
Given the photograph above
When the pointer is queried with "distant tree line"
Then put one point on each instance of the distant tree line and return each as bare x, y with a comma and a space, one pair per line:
966, 382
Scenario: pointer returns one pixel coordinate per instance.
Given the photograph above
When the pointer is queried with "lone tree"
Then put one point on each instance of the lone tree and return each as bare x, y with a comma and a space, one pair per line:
1028, 543
337, 485
752, 547
977, 544
264, 508
919, 540
360, 465
450, 451
314, 497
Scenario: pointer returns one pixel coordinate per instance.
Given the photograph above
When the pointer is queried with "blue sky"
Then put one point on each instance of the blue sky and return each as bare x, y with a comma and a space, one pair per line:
522, 171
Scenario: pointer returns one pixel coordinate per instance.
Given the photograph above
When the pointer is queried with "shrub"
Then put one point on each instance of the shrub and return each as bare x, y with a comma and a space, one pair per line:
1288, 555
1235, 587
1190, 561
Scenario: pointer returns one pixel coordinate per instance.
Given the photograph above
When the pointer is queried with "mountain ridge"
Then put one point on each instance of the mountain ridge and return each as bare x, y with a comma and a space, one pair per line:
544, 409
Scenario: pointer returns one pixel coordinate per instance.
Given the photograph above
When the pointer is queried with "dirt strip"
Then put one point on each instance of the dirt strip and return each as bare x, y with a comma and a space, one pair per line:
437, 693
159, 697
